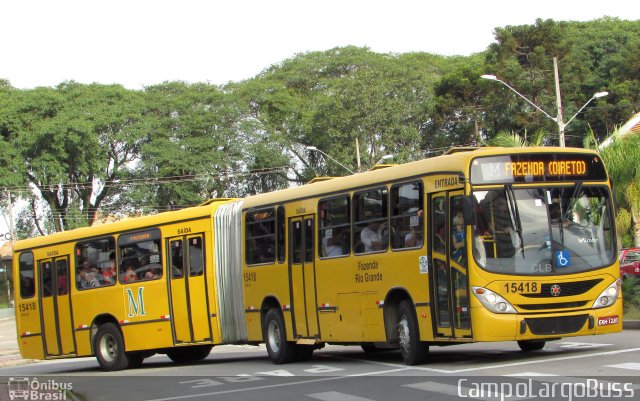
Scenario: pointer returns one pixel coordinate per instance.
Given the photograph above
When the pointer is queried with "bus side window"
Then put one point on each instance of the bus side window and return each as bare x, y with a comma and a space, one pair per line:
439, 223
334, 227
371, 225
406, 216
140, 255
27, 287
260, 236
196, 257
95, 263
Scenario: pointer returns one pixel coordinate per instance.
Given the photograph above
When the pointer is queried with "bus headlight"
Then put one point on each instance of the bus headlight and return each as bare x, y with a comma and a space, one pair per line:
492, 301
608, 296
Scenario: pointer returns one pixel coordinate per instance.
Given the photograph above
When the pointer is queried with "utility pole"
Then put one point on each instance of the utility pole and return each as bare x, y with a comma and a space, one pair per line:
561, 124
13, 240
358, 155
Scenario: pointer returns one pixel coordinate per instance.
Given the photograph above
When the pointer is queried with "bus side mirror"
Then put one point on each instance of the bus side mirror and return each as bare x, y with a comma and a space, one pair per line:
469, 205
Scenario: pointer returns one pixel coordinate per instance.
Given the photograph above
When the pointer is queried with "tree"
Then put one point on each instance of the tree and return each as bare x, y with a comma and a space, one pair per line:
72, 142
621, 159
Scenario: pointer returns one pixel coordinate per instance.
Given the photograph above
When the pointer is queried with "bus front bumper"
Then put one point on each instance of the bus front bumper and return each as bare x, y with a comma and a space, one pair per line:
489, 326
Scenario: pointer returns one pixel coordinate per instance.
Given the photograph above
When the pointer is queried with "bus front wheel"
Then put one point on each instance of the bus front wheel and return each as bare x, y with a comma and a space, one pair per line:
275, 336
108, 346
414, 351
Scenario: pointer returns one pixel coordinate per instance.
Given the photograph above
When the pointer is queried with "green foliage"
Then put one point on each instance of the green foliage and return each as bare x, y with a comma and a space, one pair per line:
631, 294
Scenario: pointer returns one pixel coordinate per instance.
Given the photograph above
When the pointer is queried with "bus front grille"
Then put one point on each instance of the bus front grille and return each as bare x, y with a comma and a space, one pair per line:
560, 305
549, 290
556, 325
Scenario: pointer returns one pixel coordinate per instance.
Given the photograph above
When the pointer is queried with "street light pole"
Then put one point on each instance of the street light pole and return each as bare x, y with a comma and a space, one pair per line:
313, 148
558, 120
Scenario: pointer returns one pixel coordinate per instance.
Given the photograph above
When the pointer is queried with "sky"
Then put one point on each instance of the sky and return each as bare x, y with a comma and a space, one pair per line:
138, 43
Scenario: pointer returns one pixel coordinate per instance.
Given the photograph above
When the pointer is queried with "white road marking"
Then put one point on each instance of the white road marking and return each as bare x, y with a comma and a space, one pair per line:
630, 365
530, 374
336, 396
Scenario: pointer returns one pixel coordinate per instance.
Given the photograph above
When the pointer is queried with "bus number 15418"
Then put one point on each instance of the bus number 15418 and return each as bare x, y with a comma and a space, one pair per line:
522, 287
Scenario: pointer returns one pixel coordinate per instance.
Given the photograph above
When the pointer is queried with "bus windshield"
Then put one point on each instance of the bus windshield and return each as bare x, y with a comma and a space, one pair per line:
544, 231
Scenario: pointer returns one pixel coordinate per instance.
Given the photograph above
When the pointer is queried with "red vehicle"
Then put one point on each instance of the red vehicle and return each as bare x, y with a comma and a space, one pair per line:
630, 263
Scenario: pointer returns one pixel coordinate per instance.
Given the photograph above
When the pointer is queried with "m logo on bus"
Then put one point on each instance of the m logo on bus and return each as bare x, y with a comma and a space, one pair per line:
136, 305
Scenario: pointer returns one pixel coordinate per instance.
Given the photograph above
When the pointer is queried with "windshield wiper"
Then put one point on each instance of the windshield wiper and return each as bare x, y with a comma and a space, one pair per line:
564, 213
515, 215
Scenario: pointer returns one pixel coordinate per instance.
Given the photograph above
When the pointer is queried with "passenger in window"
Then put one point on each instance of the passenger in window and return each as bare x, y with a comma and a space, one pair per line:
152, 274
457, 238
371, 237
129, 275
109, 271
414, 236
333, 242
87, 279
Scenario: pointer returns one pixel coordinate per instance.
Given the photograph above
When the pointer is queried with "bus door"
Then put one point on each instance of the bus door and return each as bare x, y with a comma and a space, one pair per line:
55, 306
302, 277
448, 279
187, 286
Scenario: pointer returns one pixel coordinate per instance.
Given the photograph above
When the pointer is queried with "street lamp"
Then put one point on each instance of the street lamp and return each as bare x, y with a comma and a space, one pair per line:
558, 119
313, 148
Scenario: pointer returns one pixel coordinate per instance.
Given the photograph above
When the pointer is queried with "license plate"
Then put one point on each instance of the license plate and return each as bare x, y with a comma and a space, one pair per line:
608, 320
522, 287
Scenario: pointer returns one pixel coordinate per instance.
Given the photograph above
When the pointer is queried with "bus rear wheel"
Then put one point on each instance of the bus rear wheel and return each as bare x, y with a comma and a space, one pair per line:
414, 351
531, 345
108, 346
275, 336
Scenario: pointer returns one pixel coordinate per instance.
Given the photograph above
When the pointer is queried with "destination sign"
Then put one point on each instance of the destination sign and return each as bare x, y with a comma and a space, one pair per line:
537, 167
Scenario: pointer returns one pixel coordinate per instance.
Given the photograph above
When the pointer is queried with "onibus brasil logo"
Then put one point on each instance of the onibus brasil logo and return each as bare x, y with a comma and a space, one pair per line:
23, 388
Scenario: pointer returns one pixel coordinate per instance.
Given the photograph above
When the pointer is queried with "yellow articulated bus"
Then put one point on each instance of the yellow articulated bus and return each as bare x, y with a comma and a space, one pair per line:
485, 244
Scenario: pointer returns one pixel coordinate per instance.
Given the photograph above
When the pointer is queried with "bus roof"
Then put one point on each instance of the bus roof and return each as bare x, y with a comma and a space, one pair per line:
455, 161
207, 208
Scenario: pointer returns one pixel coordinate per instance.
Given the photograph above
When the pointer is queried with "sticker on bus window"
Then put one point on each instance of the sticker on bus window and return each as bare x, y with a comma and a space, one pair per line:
563, 259
424, 265
414, 221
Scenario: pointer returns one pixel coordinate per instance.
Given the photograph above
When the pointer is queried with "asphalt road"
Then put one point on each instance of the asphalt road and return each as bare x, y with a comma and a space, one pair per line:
569, 369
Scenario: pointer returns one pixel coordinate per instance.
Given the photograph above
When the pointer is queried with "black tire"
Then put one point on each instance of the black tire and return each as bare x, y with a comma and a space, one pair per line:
531, 345
108, 346
414, 351
274, 334
189, 354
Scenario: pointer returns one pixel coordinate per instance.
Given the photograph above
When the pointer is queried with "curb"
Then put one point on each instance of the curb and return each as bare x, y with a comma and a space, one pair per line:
631, 325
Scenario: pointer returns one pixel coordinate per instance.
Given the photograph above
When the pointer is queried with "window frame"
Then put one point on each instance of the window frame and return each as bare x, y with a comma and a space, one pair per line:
128, 239
355, 222
77, 265
348, 225
421, 206
33, 275
273, 235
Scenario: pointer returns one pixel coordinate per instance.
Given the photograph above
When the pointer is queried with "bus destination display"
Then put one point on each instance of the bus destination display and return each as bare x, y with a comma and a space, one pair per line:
532, 168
